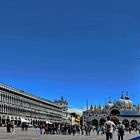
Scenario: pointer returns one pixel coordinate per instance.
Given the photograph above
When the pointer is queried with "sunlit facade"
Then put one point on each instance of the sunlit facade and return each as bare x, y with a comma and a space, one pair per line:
122, 110
18, 105
64, 105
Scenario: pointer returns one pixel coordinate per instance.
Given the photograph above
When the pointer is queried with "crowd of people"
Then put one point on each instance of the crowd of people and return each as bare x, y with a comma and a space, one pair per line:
108, 128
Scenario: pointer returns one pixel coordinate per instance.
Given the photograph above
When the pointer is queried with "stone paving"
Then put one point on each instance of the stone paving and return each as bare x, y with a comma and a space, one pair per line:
33, 134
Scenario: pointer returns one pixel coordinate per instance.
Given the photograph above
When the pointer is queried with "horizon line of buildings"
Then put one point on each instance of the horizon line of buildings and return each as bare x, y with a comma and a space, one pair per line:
20, 106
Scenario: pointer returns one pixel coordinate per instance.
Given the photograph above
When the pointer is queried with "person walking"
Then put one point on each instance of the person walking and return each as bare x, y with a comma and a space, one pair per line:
129, 129
82, 130
109, 125
13, 126
41, 128
74, 130
8, 126
120, 127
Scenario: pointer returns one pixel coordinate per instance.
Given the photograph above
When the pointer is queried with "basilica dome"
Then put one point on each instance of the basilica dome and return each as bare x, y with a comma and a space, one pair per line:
121, 101
128, 102
125, 102
110, 104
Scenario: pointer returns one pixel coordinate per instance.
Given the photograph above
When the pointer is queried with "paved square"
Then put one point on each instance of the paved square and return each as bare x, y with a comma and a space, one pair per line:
33, 134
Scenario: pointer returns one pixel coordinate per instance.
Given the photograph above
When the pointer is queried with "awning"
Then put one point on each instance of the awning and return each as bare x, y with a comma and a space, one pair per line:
23, 120
48, 122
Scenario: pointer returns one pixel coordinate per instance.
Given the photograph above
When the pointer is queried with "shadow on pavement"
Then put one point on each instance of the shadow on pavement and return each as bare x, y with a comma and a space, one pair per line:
136, 138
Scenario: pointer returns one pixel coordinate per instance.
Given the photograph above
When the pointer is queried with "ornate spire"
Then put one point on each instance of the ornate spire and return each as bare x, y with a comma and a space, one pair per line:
122, 96
62, 98
91, 107
94, 107
110, 100
127, 97
115, 101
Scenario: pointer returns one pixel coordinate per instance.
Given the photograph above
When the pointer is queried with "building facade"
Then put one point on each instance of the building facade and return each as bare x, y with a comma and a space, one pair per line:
20, 106
122, 110
64, 105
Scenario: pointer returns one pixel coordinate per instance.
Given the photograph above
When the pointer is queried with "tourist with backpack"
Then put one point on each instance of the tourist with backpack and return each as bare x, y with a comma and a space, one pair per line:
120, 128
109, 125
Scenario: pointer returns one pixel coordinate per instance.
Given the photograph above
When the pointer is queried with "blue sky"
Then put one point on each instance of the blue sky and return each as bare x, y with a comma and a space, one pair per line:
77, 49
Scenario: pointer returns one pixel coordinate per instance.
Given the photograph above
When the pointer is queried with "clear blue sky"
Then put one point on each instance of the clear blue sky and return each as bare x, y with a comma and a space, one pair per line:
76, 48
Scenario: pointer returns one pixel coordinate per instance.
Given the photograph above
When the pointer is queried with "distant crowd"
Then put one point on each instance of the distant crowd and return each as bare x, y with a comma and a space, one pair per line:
108, 128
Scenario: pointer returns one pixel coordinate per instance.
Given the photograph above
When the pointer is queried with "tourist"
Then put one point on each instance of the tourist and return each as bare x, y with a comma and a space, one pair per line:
86, 130
97, 130
23, 126
8, 126
69, 129
26, 126
82, 130
58, 129
41, 129
13, 126
120, 128
130, 128
78, 129
74, 130
46, 128
102, 130
109, 125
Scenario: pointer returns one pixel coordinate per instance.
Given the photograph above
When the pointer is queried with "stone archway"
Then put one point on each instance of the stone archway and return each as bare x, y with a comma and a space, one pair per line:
38, 123
12, 118
19, 122
3, 120
134, 124
33, 122
126, 123
95, 122
102, 121
115, 119
114, 112
16, 121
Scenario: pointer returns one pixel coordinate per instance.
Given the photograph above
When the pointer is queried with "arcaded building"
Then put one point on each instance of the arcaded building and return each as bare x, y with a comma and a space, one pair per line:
21, 106
122, 110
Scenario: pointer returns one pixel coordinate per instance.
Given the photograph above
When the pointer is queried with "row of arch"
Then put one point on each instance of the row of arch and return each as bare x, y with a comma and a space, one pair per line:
10, 98
18, 120
127, 123
133, 123
24, 106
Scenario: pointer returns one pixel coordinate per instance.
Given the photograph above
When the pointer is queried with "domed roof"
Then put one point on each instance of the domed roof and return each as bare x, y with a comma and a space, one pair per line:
127, 97
121, 101
110, 104
128, 103
125, 102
